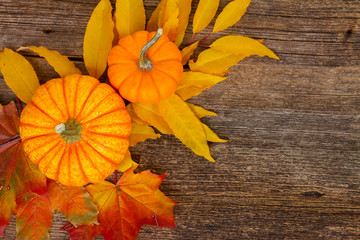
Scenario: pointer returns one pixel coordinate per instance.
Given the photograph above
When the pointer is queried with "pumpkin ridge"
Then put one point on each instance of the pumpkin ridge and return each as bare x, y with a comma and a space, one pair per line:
81, 166
167, 60
66, 104
90, 93
106, 158
50, 149
100, 102
138, 87
30, 138
105, 134
155, 47
55, 120
158, 69
83, 122
110, 148
157, 90
125, 79
88, 158
69, 163
37, 126
99, 125
57, 169
34, 149
136, 58
75, 96
52, 99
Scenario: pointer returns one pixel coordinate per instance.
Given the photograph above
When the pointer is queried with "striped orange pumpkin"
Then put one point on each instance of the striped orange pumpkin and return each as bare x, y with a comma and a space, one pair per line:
75, 129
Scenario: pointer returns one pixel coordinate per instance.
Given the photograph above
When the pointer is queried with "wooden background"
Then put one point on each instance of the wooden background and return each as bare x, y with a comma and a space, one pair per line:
291, 168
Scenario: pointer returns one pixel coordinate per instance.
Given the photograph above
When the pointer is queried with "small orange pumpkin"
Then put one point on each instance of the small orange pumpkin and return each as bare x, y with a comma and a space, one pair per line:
75, 129
145, 67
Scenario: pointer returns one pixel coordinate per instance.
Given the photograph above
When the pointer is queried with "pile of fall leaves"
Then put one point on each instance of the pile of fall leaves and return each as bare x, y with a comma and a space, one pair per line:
116, 211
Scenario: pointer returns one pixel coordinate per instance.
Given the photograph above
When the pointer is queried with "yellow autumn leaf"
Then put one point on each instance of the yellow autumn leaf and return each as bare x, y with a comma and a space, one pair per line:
188, 51
199, 79
204, 13
184, 12
199, 111
185, 92
126, 163
140, 133
210, 135
130, 16
171, 25
61, 64
18, 74
167, 11
194, 83
231, 14
150, 113
98, 39
241, 45
152, 24
185, 125
215, 62
134, 117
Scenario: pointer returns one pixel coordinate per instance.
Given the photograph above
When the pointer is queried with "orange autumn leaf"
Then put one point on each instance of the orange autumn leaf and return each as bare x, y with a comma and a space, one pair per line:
74, 202
33, 217
133, 202
17, 172
83, 232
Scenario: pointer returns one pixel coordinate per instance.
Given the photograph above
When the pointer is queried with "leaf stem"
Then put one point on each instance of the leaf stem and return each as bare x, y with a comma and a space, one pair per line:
206, 37
192, 38
18, 100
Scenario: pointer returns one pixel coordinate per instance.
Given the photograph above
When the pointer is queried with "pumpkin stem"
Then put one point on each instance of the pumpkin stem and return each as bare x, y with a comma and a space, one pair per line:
144, 63
69, 131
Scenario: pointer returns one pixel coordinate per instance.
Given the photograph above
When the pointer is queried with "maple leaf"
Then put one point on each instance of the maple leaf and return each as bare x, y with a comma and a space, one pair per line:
83, 232
33, 217
133, 202
74, 202
17, 172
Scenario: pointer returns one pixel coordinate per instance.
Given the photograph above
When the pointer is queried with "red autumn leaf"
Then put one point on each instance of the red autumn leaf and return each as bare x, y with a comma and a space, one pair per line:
33, 217
17, 173
84, 232
133, 202
74, 202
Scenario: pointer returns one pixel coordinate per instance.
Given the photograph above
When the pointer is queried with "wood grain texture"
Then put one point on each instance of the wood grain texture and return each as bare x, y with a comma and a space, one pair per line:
291, 168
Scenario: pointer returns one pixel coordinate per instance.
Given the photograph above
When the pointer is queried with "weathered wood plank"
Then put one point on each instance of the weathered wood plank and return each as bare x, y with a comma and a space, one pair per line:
291, 167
